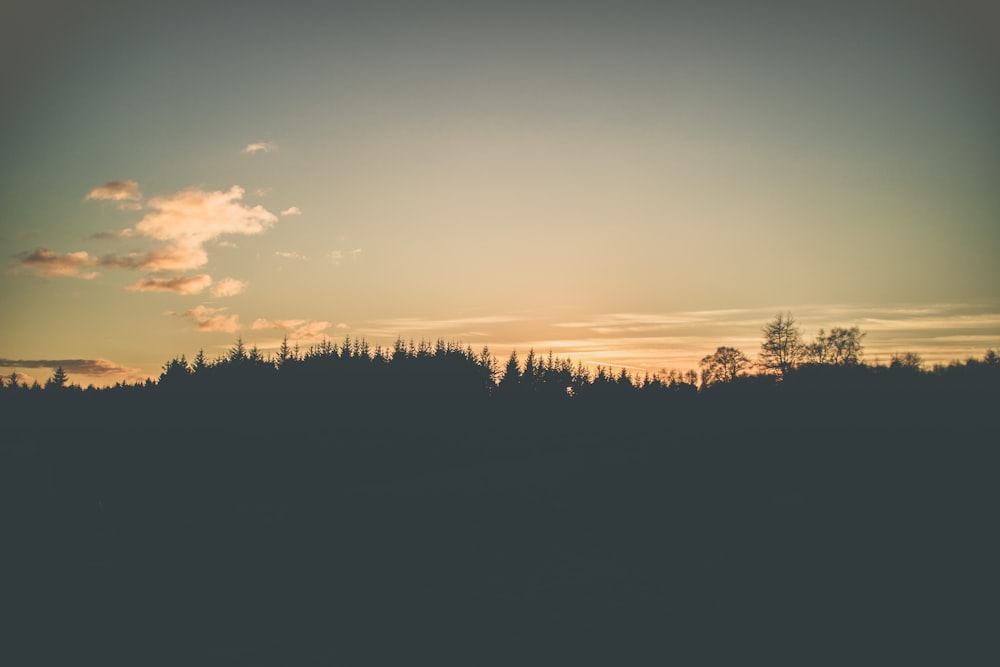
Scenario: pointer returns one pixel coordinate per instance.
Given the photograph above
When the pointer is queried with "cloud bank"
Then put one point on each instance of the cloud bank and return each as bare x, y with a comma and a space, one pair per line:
183, 222
95, 367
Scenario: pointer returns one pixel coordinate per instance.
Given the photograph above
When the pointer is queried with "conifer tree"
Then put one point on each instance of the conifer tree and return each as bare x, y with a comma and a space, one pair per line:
58, 380
511, 379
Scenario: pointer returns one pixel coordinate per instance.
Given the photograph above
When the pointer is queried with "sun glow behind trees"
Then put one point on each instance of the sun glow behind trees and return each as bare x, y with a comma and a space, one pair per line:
452, 369
613, 177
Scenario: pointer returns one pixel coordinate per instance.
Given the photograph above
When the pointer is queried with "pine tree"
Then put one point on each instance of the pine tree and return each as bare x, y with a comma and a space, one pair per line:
58, 380
199, 362
511, 379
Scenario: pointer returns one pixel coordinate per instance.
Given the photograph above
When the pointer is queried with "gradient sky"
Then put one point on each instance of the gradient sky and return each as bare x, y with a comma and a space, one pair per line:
630, 183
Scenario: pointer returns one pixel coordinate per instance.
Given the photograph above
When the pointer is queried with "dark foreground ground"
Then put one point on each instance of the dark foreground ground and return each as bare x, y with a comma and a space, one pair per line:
776, 530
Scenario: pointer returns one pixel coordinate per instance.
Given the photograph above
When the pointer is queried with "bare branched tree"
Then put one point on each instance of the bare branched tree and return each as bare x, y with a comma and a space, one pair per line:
782, 348
724, 365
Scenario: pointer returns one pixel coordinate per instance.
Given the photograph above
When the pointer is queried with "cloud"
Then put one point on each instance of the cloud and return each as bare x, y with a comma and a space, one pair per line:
100, 367
186, 221
194, 217
260, 147
212, 319
404, 324
292, 210
48, 263
339, 255
289, 254
296, 329
180, 285
124, 193
229, 287
118, 234
171, 258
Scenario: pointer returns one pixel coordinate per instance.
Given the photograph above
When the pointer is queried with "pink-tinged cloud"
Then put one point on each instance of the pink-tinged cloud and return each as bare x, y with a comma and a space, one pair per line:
213, 319
170, 258
124, 193
229, 287
48, 263
186, 221
296, 329
260, 147
194, 217
180, 285
292, 210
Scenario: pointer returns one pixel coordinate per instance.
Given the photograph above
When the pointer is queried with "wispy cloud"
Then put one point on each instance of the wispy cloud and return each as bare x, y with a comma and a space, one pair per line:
289, 254
459, 327
213, 319
292, 210
180, 285
125, 194
939, 332
169, 258
296, 329
229, 287
93, 367
260, 147
339, 255
46, 262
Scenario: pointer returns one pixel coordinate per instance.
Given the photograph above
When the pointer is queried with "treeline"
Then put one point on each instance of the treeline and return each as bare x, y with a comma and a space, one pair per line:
833, 360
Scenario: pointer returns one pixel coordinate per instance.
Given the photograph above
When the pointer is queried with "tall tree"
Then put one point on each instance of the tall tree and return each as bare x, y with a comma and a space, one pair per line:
511, 379
723, 365
199, 362
845, 346
782, 346
284, 352
58, 379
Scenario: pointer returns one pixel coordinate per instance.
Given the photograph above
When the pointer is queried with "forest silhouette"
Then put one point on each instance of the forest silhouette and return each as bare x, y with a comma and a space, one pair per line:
348, 505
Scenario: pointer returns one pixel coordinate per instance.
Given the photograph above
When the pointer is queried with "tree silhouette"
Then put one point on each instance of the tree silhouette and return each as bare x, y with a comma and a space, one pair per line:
907, 362
175, 374
782, 346
841, 347
511, 379
723, 365
58, 380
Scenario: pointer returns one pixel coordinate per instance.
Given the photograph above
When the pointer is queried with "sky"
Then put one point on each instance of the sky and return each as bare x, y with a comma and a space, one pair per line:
628, 184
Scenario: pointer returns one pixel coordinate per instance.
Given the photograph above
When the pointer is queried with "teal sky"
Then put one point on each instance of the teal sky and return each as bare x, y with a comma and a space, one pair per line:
630, 183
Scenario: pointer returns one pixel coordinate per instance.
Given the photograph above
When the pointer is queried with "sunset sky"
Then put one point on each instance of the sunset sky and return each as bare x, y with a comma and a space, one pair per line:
628, 183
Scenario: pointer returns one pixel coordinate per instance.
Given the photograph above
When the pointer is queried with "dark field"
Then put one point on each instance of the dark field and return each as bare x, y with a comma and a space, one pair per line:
770, 529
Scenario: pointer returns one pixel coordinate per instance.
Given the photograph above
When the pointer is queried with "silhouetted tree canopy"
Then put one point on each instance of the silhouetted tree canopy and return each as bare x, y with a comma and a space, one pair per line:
782, 347
724, 365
